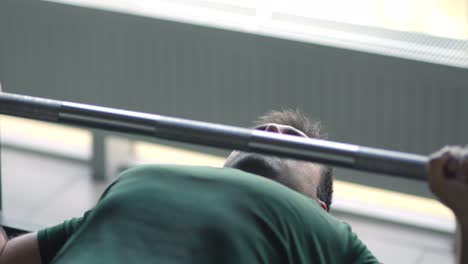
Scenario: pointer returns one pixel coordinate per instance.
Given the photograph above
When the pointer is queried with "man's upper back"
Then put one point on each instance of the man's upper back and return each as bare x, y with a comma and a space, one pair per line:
174, 214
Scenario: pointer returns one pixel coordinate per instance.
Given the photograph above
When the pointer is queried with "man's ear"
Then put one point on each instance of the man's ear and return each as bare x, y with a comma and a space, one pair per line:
323, 205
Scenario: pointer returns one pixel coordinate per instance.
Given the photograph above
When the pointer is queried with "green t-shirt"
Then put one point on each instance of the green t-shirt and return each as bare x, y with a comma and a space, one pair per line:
178, 214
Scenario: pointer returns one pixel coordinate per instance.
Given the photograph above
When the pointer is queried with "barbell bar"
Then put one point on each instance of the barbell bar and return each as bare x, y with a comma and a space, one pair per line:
357, 157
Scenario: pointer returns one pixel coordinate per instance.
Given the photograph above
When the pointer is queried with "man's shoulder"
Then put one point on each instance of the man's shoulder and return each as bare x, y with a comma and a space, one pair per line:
192, 172
172, 169
243, 187
210, 179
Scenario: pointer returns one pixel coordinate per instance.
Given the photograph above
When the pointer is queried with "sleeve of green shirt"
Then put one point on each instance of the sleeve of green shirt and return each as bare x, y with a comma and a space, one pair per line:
52, 239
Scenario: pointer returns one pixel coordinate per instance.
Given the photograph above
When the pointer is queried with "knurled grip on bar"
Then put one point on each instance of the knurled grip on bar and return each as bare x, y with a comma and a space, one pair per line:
170, 128
29, 107
203, 133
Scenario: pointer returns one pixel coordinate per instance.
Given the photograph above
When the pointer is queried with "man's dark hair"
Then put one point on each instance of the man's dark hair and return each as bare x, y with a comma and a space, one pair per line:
312, 129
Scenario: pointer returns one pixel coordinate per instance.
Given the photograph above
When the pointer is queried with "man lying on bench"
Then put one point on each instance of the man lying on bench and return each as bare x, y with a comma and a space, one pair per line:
258, 209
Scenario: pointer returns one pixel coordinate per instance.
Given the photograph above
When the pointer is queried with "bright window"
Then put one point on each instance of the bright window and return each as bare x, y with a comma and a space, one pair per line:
444, 18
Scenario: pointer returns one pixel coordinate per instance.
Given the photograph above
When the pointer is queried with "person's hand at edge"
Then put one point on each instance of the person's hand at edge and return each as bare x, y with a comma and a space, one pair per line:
448, 178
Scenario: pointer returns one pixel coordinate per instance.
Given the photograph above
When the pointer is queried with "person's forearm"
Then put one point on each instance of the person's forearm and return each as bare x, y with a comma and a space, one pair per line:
462, 240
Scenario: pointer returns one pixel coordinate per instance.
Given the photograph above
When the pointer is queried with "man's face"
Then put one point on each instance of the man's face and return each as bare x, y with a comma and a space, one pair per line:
300, 176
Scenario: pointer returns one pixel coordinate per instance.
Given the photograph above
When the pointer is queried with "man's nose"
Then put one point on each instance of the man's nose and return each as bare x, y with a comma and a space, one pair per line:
281, 129
273, 128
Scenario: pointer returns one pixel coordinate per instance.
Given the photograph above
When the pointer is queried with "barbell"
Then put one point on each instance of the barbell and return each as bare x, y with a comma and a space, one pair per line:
362, 158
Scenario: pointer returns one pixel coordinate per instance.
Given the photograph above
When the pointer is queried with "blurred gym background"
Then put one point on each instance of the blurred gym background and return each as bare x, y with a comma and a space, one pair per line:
381, 73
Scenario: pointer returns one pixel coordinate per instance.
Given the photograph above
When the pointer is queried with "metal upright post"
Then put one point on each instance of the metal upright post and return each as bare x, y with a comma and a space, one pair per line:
109, 154
98, 158
1, 195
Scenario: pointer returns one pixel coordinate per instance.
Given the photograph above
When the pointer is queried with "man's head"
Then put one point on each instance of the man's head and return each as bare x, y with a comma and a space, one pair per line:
310, 179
